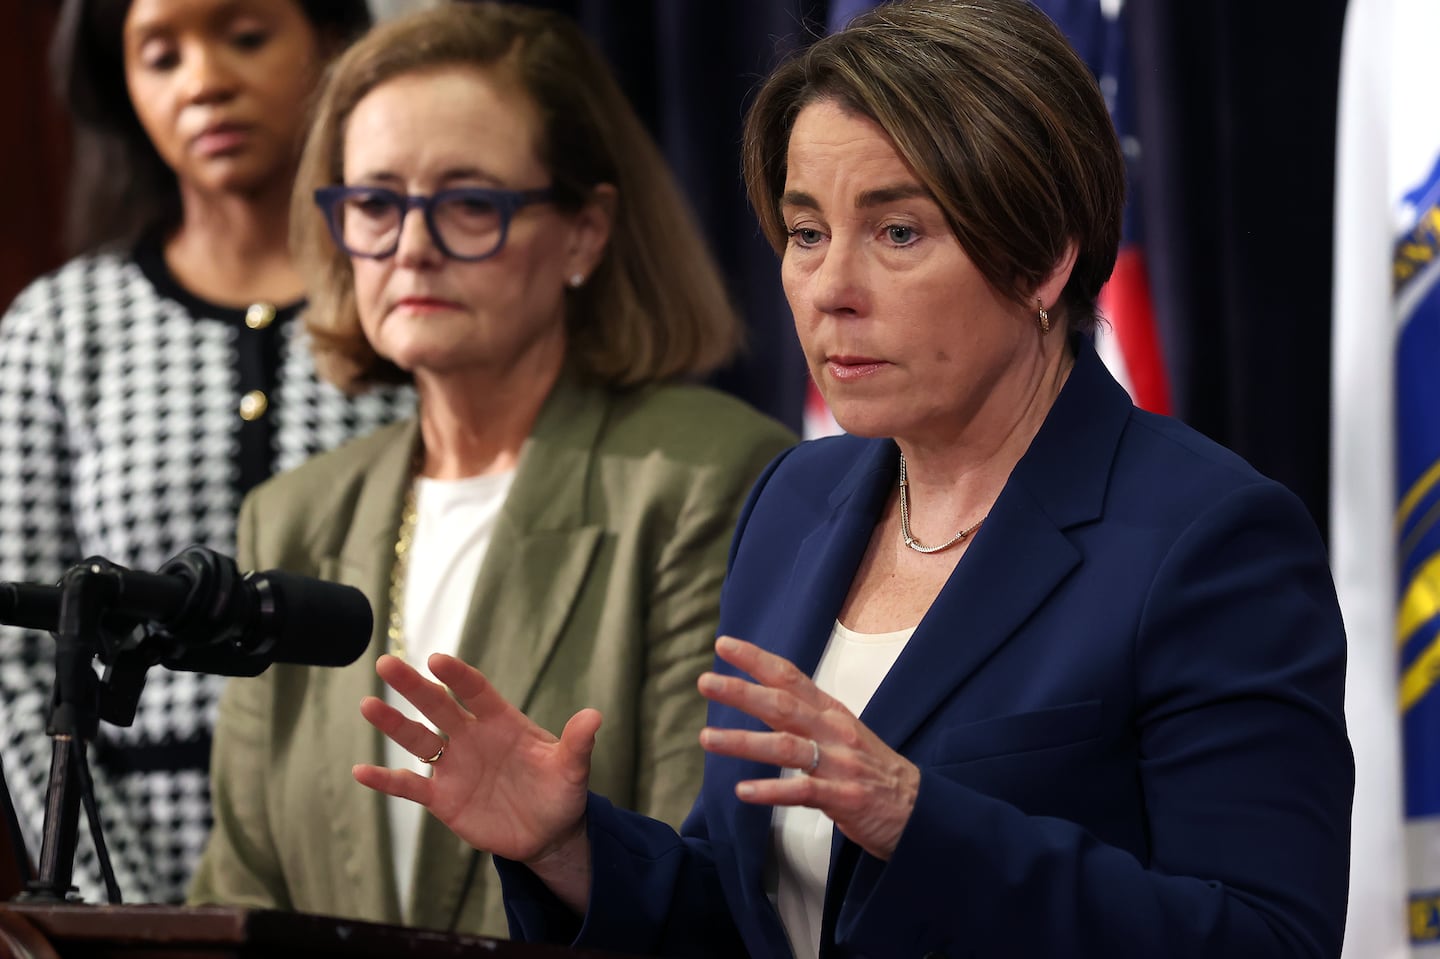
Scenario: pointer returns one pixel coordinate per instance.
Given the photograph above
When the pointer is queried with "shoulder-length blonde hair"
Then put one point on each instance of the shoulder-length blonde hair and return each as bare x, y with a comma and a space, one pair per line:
654, 309
998, 116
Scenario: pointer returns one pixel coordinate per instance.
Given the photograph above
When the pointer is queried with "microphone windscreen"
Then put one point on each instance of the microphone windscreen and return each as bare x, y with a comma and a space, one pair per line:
29, 605
320, 623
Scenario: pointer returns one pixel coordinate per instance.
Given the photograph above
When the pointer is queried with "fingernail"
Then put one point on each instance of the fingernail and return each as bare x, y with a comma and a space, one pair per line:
711, 737
744, 790
709, 682
726, 644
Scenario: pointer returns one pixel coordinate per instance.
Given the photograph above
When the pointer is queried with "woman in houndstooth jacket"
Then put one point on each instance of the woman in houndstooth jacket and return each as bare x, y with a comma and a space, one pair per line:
148, 384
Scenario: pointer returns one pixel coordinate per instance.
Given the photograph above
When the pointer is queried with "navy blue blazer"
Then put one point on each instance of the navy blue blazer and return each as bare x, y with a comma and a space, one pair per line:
1125, 704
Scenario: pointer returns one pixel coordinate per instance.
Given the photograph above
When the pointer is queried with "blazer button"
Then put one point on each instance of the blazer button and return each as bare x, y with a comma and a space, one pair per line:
259, 316
253, 405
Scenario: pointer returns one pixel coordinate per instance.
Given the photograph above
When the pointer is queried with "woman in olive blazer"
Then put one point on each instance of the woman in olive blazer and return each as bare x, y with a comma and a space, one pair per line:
492, 223
601, 586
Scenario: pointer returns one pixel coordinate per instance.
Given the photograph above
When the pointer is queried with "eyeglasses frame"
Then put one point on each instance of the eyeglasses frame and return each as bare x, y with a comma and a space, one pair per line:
508, 202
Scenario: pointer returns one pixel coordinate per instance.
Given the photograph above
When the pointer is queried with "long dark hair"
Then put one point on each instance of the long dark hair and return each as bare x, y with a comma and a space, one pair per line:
119, 188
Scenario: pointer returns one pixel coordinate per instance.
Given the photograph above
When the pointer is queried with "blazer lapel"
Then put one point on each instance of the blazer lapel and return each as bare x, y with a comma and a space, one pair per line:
830, 555
820, 579
539, 554
1019, 556
359, 823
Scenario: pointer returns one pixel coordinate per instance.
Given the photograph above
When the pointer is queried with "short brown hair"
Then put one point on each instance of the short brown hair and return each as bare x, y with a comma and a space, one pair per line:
654, 309
998, 116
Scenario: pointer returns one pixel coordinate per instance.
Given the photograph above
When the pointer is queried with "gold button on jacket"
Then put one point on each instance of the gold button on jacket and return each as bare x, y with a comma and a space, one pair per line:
259, 316
253, 405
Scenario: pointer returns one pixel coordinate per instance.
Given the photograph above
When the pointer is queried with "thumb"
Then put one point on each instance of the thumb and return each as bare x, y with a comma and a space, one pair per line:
577, 739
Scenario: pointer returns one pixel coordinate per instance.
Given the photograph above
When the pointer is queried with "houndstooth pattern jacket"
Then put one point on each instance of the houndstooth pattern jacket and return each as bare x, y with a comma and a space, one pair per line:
121, 436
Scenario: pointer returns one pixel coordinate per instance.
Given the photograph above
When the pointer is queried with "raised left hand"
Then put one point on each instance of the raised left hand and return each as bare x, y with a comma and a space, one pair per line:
497, 780
866, 788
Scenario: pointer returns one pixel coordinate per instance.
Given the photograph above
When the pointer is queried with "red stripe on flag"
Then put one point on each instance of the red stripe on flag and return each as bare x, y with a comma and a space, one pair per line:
818, 421
1125, 301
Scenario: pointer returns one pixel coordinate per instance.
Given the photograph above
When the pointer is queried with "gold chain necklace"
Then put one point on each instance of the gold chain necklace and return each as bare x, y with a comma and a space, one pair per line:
399, 573
911, 541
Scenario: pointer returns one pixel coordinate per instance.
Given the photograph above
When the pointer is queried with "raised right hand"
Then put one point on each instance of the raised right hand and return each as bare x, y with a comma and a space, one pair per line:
503, 784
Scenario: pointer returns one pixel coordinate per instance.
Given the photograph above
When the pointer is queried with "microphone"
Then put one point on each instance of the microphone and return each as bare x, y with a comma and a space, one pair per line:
203, 616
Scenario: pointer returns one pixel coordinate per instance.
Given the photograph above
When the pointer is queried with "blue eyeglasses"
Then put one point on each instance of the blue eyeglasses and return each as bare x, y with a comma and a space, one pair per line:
469, 223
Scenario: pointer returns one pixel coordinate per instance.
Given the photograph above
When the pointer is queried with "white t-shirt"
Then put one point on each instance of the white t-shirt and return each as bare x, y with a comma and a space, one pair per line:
454, 520
851, 669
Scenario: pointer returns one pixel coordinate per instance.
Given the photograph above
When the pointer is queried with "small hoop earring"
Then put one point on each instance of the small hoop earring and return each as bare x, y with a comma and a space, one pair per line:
577, 280
1044, 320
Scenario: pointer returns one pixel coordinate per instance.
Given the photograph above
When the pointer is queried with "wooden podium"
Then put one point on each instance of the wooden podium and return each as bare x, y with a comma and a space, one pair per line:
79, 931
29, 931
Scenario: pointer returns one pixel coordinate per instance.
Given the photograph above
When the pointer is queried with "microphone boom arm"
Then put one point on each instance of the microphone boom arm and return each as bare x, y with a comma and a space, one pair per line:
86, 591
197, 613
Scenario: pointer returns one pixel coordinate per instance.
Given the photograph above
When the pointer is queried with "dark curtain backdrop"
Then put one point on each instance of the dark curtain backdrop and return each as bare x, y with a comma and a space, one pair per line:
1236, 114
689, 67
1235, 107
34, 149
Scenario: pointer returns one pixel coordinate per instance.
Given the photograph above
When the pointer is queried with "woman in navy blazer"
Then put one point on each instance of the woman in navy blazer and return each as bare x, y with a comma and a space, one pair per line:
1029, 672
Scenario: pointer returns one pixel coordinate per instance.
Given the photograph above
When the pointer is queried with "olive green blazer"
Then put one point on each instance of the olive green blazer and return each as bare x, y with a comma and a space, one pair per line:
601, 587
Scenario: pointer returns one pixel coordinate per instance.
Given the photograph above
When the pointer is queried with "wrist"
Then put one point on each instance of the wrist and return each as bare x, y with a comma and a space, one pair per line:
564, 867
907, 792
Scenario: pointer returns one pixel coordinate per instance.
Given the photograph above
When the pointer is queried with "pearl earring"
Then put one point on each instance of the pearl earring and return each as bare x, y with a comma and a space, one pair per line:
577, 280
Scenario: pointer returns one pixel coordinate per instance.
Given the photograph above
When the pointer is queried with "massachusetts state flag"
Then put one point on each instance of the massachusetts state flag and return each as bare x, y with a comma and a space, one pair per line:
1385, 509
